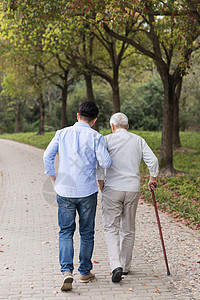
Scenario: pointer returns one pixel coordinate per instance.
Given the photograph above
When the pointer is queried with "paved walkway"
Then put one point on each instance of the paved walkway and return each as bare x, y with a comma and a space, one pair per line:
29, 267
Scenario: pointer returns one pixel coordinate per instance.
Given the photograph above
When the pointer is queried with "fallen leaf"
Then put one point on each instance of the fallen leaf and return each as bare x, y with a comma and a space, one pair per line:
157, 291
155, 276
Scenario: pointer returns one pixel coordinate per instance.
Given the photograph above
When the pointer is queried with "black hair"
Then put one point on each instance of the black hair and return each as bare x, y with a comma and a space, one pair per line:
88, 111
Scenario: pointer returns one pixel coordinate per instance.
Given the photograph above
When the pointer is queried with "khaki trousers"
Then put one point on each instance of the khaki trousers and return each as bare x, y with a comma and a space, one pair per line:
119, 211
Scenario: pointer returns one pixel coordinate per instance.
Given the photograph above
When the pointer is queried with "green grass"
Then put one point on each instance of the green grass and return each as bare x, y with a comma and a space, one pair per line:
31, 138
177, 195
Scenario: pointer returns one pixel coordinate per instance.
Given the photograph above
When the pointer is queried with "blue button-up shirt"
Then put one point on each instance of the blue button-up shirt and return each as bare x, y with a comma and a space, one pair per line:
79, 148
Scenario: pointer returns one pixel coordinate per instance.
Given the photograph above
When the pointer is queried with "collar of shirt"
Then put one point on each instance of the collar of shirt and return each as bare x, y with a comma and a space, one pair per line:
83, 124
120, 129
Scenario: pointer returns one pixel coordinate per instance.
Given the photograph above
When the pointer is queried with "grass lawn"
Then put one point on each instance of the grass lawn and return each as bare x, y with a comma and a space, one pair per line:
177, 195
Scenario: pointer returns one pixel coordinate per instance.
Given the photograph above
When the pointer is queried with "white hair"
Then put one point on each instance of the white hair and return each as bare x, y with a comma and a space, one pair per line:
119, 119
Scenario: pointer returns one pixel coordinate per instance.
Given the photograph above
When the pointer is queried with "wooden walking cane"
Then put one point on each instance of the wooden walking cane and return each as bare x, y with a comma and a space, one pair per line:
159, 227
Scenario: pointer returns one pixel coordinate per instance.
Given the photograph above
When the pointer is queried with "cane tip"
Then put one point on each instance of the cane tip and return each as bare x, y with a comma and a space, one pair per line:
168, 273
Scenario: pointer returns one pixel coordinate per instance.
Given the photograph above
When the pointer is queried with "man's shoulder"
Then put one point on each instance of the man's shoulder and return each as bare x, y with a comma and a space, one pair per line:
95, 133
134, 135
68, 128
125, 132
61, 132
125, 135
108, 137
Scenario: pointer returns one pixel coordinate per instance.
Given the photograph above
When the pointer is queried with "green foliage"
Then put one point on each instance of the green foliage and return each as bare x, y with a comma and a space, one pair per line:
76, 96
190, 98
178, 196
102, 94
145, 107
6, 117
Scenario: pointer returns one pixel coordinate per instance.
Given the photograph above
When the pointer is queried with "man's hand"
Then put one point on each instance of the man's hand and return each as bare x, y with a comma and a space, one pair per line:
152, 184
101, 184
53, 178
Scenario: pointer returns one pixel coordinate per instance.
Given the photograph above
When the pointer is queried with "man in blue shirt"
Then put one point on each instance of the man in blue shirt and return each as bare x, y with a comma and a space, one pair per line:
80, 148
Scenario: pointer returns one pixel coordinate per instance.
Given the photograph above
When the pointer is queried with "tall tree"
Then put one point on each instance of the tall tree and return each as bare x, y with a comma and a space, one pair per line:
17, 89
171, 35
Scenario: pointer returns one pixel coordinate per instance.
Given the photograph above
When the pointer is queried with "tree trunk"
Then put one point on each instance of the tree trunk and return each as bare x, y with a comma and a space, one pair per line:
116, 99
166, 153
90, 94
176, 136
21, 121
115, 89
41, 106
64, 101
17, 117
19, 124
64, 106
89, 87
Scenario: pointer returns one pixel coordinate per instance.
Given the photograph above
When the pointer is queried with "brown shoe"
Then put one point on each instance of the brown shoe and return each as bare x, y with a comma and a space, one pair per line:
67, 282
87, 278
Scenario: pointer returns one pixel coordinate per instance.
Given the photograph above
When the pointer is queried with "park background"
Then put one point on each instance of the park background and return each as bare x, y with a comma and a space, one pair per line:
138, 57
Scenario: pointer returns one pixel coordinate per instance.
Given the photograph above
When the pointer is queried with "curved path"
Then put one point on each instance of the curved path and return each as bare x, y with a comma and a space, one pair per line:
29, 267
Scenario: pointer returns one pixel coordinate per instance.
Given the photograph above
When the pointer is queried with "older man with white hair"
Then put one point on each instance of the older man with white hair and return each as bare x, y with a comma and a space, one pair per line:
120, 186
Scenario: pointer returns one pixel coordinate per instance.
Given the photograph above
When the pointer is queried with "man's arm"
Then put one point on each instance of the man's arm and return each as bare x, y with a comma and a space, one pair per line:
49, 157
100, 170
152, 163
103, 157
100, 177
52, 178
101, 184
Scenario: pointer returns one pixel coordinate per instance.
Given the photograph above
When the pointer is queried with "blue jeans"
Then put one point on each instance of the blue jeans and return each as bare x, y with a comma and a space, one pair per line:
86, 208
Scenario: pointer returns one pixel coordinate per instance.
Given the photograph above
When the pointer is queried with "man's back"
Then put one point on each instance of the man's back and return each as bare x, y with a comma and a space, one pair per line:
79, 148
126, 150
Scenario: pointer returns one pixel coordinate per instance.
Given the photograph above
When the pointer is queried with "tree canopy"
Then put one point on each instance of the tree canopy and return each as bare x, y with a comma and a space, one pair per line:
97, 38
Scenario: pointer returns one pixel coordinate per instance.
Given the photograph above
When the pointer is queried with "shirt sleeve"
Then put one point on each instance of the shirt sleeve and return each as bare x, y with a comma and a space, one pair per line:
150, 159
49, 155
100, 173
102, 155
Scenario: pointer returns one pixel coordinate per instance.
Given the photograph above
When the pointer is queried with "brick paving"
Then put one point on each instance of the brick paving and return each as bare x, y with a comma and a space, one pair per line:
29, 266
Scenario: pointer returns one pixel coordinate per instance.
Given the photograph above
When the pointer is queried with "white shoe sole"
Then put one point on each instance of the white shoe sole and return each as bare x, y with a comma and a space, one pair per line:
67, 283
